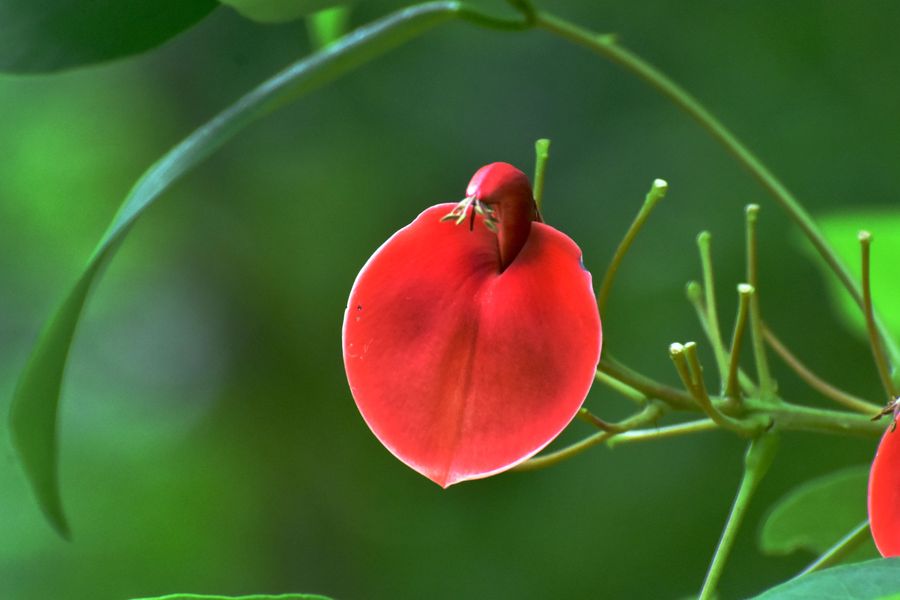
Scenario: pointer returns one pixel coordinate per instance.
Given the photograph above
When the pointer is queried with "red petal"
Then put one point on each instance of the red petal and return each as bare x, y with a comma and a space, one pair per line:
884, 495
462, 371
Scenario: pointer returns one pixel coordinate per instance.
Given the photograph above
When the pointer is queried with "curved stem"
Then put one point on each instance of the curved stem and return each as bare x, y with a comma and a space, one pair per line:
814, 381
657, 192
649, 415
608, 48
592, 419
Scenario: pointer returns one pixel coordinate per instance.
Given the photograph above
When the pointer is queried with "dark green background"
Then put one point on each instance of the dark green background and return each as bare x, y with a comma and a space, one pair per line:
209, 441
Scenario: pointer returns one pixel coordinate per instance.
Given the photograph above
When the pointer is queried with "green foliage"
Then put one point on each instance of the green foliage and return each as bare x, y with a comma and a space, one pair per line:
841, 229
35, 402
253, 597
817, 514
278, 11
877, 579
50, 35
327, 26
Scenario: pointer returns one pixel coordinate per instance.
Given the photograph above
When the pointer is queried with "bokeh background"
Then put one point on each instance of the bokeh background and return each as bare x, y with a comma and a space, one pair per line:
209, 441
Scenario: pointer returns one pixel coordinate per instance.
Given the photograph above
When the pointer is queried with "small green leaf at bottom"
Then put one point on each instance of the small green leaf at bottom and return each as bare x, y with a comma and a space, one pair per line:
877, 579
816, 514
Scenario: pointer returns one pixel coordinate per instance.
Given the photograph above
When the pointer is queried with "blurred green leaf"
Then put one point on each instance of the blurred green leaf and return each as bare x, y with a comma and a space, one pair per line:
877, 579
33, 411
841, 230
816, 514
327, 26
49, 35
278, 11
253, 597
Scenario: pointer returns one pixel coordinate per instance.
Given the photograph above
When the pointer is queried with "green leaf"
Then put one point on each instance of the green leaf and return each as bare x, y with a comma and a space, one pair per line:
877, 579
327, 26
253, 597
841, 229
817, 514
49, 35
33, 411
278, 11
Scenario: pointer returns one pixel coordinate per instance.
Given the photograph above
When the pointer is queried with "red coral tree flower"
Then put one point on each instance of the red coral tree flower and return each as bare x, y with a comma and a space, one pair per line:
884, 494
469, 348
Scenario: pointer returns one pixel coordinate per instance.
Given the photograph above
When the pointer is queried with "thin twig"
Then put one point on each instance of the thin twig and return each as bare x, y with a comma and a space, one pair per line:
657, 192
814, 381
622, 388
732, 389
763, 374
659, 433
650, 414
591, 419
694, 293
653, 389
865, 242
688, 366
714, 334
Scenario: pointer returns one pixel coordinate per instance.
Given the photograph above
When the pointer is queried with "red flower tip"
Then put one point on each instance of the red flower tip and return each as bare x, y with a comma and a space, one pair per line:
884, 494
506, 189
460, 368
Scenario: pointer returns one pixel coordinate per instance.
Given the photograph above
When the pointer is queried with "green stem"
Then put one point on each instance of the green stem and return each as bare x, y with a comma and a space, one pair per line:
786, 416
647, 435
759, 457
687, 355
657, 192
792, 417
542, 154
591, 419
841, 549
760, 415
732, 389
607, 47
766, 383
814, 381
865, 242
694, 292
622, 388
651, 388
650, 414
477, 17
712, 314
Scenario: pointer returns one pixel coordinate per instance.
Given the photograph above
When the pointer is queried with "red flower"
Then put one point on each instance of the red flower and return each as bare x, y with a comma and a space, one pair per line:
884, 494
469, 348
